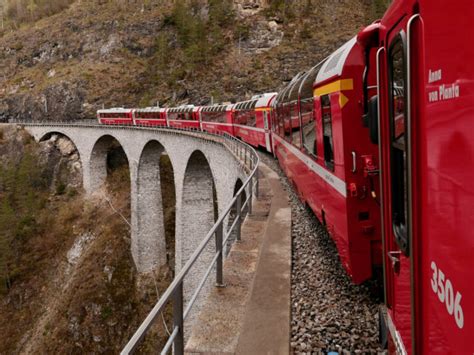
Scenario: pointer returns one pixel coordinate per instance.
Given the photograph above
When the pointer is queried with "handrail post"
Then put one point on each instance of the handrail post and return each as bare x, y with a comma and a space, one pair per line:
250, 195
178, 347
257, 183
220, 259
238, 216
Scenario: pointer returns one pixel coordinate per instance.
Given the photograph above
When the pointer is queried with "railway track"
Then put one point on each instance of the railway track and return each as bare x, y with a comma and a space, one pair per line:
329, 313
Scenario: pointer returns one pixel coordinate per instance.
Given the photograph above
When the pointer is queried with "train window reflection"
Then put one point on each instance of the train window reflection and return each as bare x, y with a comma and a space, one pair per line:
309, 126
398, 154
295, 124
287, 121
327, 132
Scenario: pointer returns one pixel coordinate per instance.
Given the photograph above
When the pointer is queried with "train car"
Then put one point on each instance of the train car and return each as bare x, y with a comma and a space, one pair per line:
290, 105
184, 117
115, 116
252, 120
423, 120
322, 143
217, 119
150, 116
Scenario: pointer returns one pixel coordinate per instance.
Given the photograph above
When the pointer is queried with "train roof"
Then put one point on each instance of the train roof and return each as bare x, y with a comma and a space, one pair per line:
150, 109
334, 64
301, 86
245, 105
187, 108
265, 100
114, 110
262, 100
216, 108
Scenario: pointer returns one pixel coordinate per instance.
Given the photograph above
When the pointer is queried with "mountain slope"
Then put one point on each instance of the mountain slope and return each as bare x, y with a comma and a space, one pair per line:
113, 53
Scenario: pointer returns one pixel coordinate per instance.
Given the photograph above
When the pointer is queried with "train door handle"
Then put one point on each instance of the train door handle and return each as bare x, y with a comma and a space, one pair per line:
394, 257
354, 162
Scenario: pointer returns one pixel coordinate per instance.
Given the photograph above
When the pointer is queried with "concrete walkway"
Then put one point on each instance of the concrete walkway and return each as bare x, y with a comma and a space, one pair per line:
251, 315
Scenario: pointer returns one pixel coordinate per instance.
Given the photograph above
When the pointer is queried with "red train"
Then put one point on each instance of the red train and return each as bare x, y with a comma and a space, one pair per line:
116, 116
424, 109
378, 141
324, 148
252, 120
217, 119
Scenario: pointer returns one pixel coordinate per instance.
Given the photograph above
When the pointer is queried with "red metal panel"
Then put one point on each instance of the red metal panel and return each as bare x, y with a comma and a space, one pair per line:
443, 158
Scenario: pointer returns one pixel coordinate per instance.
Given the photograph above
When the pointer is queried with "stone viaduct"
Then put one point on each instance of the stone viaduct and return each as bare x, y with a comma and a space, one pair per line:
198, 161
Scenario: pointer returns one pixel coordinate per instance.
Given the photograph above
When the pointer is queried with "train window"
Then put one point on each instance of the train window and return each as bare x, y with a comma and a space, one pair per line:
295, 124
398, 150
212, 116
327, 132
287, 122
281, 123
241, 118
309, 126
252, 119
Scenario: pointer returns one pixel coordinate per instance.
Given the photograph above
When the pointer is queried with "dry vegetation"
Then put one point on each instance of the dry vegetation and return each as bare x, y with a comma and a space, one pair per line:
48, 303
16, 12
135, 53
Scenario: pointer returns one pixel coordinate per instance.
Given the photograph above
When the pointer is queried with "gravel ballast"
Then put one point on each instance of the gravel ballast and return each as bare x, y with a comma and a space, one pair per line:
329, 313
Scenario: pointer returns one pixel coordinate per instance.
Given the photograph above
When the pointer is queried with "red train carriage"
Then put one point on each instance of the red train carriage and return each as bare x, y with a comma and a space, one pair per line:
289, 104
252, 120
118, 116
426, 120
151, 116
183, 117
217, 119
323, 146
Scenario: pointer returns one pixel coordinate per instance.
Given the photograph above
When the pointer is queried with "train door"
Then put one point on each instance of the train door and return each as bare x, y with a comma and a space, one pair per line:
266, 127
166, 117
398, 120
199, 117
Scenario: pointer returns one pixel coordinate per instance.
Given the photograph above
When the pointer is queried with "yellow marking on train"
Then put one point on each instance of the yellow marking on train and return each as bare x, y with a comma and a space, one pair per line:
343, 100
262, 109
339, 85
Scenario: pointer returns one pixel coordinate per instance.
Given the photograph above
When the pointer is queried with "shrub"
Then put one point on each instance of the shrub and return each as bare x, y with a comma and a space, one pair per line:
24, 11
60, 188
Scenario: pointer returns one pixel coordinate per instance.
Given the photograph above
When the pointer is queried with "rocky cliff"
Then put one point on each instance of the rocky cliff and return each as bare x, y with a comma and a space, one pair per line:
118, 53
68, 283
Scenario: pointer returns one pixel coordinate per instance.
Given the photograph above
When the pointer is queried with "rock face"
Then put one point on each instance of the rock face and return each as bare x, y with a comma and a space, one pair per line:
263, 37
60, 102
120, 54
59, 152
250, 7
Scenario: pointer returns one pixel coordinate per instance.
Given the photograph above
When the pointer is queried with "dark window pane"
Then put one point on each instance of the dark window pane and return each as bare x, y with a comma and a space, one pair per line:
309, 126
327, 132
398, 152
287, 121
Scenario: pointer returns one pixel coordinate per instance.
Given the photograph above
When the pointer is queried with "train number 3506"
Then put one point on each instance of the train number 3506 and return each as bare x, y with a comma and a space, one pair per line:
444, 289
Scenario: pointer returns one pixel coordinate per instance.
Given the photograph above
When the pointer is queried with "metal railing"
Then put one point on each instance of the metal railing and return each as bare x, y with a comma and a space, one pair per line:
174, 293
242, 202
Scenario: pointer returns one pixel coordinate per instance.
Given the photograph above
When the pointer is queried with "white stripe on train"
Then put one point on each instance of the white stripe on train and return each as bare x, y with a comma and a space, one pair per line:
338, 184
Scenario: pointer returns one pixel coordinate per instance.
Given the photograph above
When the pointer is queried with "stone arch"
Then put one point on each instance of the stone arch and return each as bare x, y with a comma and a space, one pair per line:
198, 211
72, 161
199, 203
149, 247
55, 135
99, 159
